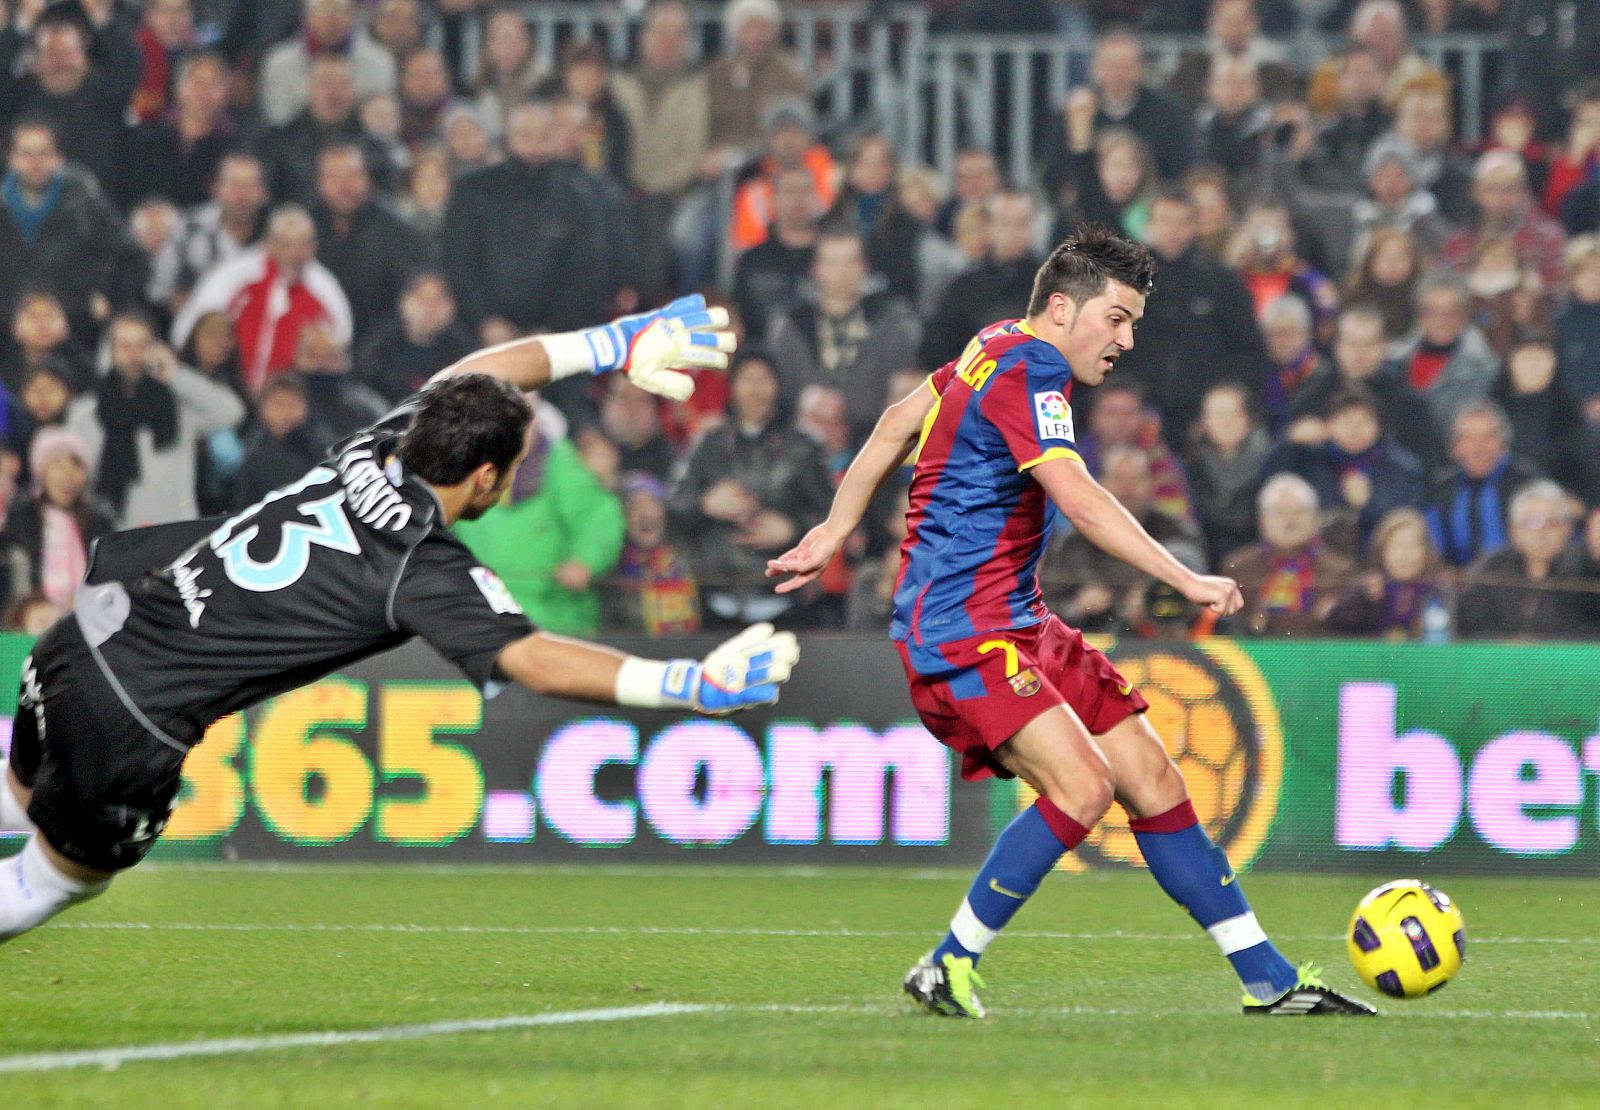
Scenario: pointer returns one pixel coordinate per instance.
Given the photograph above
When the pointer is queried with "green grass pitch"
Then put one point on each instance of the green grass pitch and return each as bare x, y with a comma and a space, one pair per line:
730, 987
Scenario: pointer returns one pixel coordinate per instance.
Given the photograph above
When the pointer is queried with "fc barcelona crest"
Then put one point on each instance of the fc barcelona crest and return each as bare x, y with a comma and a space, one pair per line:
1025, 683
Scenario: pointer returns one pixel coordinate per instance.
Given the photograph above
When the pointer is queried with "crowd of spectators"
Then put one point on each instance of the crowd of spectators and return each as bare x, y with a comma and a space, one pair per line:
1367, 385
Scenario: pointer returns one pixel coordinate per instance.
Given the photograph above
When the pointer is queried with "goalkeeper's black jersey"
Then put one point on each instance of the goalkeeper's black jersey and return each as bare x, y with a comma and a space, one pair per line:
195, 620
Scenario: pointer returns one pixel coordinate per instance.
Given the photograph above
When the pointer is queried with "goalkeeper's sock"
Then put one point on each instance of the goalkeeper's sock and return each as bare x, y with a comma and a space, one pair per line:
1195, 873
13, 814
1023, 855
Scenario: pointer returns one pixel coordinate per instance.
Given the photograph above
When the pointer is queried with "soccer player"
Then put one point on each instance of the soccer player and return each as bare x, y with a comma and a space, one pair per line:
998, 678
181, 624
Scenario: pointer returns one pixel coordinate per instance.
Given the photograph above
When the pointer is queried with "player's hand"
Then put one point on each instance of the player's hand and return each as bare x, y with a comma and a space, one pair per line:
1219, 594
744, 672
805, 560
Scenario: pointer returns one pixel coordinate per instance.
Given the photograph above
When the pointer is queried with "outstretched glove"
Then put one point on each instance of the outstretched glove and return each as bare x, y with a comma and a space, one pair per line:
744, 672
653, 348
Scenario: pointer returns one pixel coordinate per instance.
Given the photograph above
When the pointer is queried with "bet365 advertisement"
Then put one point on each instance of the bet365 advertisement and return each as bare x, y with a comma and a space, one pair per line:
1327, 755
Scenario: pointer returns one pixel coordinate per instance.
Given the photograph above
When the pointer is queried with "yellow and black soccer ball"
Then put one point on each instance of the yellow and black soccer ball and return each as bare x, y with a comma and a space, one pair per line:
1406, 939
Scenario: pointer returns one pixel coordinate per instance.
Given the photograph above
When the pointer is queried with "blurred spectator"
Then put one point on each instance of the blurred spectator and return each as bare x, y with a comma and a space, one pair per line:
1360, 117
164, 38
271, 292
1467, 505
631, 419
521, 243
747, 80
153, 225
1424, 121
1385, 278
665, 100
507, 70
1358, 360
1512, 128
1234, 123
556, 535
381, 120
1108, 183
1267, 257
652, 590
1505, 206
467, 140
280, 447
1359, 474
1532, 588
822, 413
748, 490
427, 197
846, 330
58, 231
1547, 423
1234, 35
1290, 579
48, 534
1095, 590
871, 601
1118, 418
768, 277
1224, 469
609, 209
39, 330
413, 344
1578, 160
869, 203
1555, 44
143, 424
1578, 325
339, 403
330, 29
1395, 198
78, 74
215, 232
399, 26
939, 260
791, 143
290, 151
41, 403
1507, 298
1119, 98
1295, 360
369, 249
1405, 578
1200, 331
1380, 28
176, 155
974, 180
425, 97
213, 351
605, 145
1449, 361
997, 288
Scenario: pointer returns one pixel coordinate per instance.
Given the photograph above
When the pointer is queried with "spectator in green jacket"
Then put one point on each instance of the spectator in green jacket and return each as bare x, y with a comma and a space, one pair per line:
557, 533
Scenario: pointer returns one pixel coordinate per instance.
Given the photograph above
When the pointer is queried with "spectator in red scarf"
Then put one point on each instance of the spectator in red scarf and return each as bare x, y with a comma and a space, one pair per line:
1406, 575
652, 590
1290, 579
165, 34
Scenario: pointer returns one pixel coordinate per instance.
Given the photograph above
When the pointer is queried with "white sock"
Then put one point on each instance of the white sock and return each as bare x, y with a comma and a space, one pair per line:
32, 891
13, 814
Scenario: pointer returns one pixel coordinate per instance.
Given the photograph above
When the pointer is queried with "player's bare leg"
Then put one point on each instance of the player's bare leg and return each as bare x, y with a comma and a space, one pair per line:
1055, 755
38, 882
1195, 873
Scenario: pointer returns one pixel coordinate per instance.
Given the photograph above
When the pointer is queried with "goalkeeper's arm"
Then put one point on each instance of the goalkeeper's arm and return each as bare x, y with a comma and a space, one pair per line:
652, 348
746, 671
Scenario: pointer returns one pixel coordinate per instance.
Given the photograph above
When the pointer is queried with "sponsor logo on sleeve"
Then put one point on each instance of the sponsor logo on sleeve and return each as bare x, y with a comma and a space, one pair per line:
494, 591
1053, 414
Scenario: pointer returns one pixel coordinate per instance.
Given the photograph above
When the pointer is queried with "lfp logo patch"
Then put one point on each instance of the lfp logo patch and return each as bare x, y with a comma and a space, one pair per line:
1053, 414
494, 591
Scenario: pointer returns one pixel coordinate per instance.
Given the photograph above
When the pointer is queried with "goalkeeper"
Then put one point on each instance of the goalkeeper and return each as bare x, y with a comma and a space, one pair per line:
181, 624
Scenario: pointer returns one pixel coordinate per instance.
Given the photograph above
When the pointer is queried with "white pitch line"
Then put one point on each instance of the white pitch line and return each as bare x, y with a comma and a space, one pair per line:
111, 1058
233, 1046
693, 931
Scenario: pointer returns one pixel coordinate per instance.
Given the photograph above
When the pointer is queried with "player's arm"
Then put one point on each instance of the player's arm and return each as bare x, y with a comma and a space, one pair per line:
1110, 527
652, 348
891, 441
746, 671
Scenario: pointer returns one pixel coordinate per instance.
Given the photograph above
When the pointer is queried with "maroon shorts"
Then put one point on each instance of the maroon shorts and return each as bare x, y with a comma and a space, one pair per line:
996, 682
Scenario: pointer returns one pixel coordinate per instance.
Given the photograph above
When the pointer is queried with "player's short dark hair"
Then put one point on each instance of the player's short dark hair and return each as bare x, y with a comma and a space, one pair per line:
1085, 261
462, 422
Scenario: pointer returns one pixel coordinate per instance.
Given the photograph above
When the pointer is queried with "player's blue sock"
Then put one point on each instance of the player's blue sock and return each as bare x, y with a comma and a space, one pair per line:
1195, 873
1026, 851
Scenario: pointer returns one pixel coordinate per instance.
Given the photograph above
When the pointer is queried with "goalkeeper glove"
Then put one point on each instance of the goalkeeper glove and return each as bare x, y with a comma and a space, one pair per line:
652, 348
744, 672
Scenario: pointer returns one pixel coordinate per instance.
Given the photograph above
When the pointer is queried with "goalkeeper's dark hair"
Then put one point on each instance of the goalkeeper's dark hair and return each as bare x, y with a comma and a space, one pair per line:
1085, 261
462, 422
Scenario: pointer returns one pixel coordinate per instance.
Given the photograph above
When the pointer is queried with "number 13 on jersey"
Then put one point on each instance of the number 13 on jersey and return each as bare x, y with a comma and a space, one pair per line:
329, 527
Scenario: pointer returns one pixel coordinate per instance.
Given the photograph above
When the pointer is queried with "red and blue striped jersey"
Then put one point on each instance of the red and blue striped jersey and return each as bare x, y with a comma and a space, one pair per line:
978, 521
